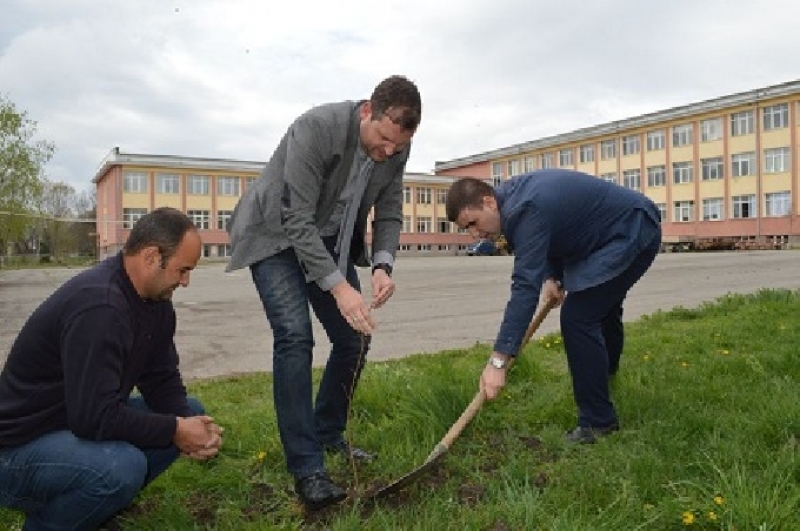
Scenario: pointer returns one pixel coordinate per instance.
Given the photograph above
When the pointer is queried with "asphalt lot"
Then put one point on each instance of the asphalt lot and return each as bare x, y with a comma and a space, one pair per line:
441, 303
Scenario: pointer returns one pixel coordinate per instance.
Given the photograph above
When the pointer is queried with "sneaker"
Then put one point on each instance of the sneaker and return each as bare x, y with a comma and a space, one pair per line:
348, 451
317, 491
589, 435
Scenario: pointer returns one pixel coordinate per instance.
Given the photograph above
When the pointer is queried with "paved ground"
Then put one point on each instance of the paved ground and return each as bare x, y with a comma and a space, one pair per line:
441, 303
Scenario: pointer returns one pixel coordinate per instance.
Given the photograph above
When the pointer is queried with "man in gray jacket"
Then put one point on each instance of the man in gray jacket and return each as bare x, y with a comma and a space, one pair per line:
300, 228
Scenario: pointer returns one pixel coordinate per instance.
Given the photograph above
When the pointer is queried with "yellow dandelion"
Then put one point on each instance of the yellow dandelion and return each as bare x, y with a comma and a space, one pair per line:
547, 345
719, 500
725, 352
684, 364
262, 456
646, 357
688, 518
649, 506
712, 516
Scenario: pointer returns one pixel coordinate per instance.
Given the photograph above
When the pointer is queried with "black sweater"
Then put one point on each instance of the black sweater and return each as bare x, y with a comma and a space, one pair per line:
79, 356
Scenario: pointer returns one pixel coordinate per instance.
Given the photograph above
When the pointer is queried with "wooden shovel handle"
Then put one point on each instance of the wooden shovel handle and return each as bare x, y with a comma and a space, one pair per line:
477, 402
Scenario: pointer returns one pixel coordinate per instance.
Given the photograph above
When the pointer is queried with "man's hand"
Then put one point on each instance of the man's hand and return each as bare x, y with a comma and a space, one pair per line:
382, 288
552, 291
493, 379
198, 437
353, 308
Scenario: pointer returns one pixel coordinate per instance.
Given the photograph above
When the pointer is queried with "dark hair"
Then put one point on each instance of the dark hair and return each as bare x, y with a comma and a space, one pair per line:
466, 193
164, 228
400, 94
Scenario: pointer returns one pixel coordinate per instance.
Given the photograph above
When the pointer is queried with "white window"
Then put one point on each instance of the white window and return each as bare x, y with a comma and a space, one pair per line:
711, 129
424, 224
443, 225
662, 211
131, 215
224, 250
223, 218
630, 145
407, 195
199, 218
743, 164
497, 173
742, 123
168, 183
609, 177
744, 206
441, 196
530, 164
248, 181
514, 167
779, 204
632, 179
608, 149
135, 182
712, 209
587, 153
776, 116
406, 223
424, 196
776, 160
682, 172
712, 168
197, 184
656, 176
681, 135
425, 247
684, 211
546, 161
227, 185
656, 140
566, 157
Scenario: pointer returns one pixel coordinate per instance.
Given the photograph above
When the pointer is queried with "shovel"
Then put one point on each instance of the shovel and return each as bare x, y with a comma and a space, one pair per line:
463, 421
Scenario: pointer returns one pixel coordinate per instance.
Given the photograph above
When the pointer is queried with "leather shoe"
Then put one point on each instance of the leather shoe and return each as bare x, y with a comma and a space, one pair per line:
589, 435
348, 451
318, 491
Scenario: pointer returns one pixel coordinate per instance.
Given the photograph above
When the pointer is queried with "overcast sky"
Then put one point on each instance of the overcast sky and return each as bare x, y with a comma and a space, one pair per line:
223, 79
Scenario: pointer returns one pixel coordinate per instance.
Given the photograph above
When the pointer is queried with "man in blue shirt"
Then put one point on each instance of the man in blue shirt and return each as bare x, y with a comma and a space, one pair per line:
580, 240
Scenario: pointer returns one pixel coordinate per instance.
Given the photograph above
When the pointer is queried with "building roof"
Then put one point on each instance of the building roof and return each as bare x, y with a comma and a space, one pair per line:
644, 120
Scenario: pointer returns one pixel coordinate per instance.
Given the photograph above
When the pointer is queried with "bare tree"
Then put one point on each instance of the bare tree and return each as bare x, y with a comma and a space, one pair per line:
57, 206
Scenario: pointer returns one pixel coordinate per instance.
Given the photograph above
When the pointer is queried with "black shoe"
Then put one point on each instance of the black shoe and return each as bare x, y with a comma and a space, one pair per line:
589, 435
318, 491
347, 451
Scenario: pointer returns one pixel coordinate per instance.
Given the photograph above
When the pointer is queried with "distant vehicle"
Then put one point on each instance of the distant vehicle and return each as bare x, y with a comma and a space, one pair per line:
482, 247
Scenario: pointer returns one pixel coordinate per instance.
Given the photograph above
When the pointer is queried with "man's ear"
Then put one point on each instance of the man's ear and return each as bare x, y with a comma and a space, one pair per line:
151, 256
365, 113
490, 203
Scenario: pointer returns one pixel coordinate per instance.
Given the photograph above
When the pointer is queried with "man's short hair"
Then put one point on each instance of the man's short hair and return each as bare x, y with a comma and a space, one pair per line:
397, 92
164, 228
466, 193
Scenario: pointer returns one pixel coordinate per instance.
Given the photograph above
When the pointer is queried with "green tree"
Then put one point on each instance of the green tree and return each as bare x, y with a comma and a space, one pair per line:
22, 161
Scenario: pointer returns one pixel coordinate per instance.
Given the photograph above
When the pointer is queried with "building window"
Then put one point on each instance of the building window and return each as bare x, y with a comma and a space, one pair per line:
681, 135
223, 219
497, 173
711, 130
407, 195
224, 250
404, 247
441, 196
656, 140
776, 116
684, 211
712, 169
742, 123
744, 206
587, 153
135, 182
566, 157
199, 218
608, 149
682, 172
776, 160
656, 176
197, 185
712, 209
779, 204
609, 177
530, 164
630, 145
632, 179
662, 211
514, 167
248, 182
227, 185
424, 224
168, 183
546, 161
424, 247
406, 223
131, 215
424, 196
743, 164
443, 225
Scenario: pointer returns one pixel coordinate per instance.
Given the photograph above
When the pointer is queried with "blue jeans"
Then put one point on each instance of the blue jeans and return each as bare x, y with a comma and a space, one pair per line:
305, 425
63, 482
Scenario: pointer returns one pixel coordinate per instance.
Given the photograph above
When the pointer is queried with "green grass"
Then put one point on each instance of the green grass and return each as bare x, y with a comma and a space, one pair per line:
709, 400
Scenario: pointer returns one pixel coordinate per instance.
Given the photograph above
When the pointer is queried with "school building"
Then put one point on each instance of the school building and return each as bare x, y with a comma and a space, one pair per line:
722, 170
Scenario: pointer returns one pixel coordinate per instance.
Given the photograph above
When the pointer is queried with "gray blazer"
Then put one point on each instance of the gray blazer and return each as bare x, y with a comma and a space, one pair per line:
299, 187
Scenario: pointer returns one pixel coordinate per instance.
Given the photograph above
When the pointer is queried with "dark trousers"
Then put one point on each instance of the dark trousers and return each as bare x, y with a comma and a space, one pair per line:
591, 323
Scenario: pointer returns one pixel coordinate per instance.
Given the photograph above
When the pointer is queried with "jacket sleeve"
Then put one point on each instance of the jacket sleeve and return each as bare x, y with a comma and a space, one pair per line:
388, 220
161, 384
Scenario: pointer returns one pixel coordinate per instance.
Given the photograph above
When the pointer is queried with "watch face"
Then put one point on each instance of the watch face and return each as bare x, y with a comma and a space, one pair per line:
497, 363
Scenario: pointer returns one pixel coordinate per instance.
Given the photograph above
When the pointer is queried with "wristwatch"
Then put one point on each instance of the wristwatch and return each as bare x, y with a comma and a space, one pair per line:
386, 267
498, 363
